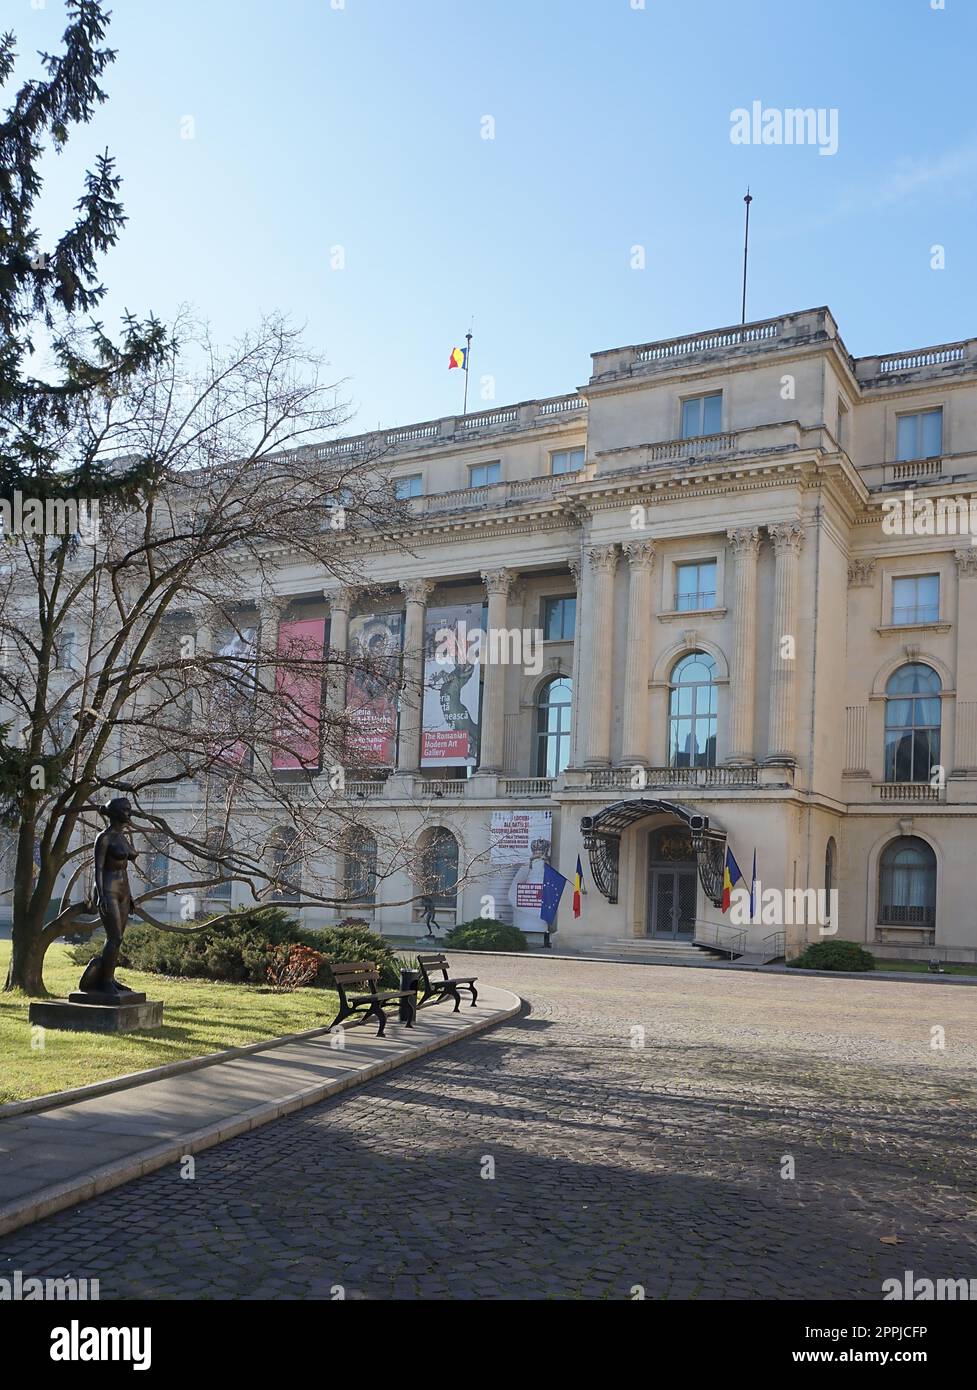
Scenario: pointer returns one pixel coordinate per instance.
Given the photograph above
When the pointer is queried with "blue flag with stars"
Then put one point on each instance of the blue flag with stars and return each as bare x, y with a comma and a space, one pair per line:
553, 886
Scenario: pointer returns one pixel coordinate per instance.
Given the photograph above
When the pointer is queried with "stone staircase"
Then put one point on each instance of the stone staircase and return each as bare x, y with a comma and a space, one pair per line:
651, 952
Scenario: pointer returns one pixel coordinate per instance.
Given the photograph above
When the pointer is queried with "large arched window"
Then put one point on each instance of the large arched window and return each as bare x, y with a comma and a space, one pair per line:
285, 864
692, 712
907, 884
553, 710
361, 866
438, 868
912, 723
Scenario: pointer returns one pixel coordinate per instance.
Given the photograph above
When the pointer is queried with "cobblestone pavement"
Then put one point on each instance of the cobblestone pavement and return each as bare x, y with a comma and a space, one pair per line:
621, 1158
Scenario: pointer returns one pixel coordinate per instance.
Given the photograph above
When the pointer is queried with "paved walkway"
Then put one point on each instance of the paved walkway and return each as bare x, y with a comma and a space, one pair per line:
55, 1157
569, 1154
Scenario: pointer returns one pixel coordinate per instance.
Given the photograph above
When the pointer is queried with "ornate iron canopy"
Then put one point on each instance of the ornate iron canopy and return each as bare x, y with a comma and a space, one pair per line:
602, 840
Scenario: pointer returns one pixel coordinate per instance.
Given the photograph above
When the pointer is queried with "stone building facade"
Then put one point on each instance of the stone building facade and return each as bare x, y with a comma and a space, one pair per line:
757, 631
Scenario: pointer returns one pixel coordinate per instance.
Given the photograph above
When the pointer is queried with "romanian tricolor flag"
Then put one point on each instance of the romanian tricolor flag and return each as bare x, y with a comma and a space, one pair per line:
577, 887
458, 358
731, 873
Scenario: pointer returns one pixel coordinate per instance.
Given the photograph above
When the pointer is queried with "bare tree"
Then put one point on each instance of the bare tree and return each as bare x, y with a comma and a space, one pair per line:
109, 689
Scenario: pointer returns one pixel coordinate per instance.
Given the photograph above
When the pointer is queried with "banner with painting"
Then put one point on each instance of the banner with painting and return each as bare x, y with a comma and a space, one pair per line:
521, 847
449, 730
373, 688
298, 694
232, 697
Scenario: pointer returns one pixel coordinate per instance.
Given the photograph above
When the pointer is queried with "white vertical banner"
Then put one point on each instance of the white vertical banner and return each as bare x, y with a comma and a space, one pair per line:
522, 845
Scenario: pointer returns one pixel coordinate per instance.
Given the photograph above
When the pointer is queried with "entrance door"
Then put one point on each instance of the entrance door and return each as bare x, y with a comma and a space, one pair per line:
672, 885
672, 906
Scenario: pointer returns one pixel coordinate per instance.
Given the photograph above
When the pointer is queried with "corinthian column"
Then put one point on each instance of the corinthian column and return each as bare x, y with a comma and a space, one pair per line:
787, 537
416, 593
641, 561
603, 563
497, 585
340, 602
745, 541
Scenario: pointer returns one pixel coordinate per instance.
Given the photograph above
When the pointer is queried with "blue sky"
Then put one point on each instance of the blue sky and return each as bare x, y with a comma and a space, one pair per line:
360, 127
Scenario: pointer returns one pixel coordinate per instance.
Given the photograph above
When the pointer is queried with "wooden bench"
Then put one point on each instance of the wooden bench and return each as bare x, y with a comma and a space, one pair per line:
434, 990
363, 975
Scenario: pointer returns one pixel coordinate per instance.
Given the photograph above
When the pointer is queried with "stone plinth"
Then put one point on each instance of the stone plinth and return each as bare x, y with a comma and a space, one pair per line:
97, 1018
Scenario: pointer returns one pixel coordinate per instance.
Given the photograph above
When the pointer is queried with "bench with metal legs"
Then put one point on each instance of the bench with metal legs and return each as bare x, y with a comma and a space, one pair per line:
363, 976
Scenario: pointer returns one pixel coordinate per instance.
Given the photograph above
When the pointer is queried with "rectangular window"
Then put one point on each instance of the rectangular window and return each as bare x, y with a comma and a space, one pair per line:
566, 460
65, 647
484, 474
702, 415
842, 431
695, 586
916, 599
408, 487
559, 618
919, 436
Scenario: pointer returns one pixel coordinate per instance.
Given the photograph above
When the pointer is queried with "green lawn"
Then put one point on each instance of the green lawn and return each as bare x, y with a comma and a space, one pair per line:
949, 967
199, 1016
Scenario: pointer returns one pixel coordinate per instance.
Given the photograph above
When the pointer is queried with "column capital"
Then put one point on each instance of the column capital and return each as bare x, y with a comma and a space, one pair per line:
641, 554
966, 560
417, 590
786, 536
603, 558
861, 573
575, 567
498, 581
745, 540
344, 597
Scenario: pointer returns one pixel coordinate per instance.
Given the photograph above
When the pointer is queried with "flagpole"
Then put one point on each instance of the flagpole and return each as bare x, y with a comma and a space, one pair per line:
468, 358
746, 248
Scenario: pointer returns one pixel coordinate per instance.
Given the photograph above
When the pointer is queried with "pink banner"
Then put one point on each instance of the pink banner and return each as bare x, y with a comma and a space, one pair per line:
299, 694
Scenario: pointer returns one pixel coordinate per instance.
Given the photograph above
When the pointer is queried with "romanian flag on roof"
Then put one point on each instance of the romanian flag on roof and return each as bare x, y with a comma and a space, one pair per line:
458, 358
577, 887
731, 874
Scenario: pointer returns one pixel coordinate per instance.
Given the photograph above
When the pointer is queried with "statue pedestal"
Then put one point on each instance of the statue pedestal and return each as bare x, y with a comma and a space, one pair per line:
120, 1016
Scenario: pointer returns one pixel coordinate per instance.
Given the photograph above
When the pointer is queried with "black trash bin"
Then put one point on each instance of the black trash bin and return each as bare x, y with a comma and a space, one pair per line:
408, 980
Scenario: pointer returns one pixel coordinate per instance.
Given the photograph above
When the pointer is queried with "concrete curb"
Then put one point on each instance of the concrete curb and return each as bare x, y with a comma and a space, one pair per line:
54, 1099
50, 1200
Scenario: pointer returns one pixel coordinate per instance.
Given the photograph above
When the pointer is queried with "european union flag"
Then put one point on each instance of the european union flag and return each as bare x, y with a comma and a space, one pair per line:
553, 886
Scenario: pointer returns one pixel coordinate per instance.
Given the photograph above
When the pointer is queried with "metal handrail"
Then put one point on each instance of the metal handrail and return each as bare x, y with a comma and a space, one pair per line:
737, 947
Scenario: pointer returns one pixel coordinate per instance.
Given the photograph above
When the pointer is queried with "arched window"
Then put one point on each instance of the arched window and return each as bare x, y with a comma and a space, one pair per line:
285, 865
553, 710
361, 866
907, 884
438, 864
692, 712
830, 876
912, 723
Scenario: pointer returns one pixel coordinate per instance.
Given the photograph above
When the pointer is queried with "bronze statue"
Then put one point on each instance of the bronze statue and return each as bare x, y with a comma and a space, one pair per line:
113, 898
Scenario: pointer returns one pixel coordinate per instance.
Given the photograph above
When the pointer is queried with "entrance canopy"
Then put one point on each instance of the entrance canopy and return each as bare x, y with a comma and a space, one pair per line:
602, 839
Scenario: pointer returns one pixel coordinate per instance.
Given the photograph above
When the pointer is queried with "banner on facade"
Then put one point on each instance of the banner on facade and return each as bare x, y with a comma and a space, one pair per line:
298, 695
449, 730
521, 847
232, 698
373, 687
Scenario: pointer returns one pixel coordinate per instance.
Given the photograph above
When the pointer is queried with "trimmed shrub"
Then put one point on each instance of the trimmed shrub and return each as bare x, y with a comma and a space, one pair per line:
240, 949
834, 955
353, 940
485, 934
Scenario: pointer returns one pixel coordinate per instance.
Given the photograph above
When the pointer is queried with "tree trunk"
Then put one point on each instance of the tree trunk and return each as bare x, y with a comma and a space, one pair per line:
27, 960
